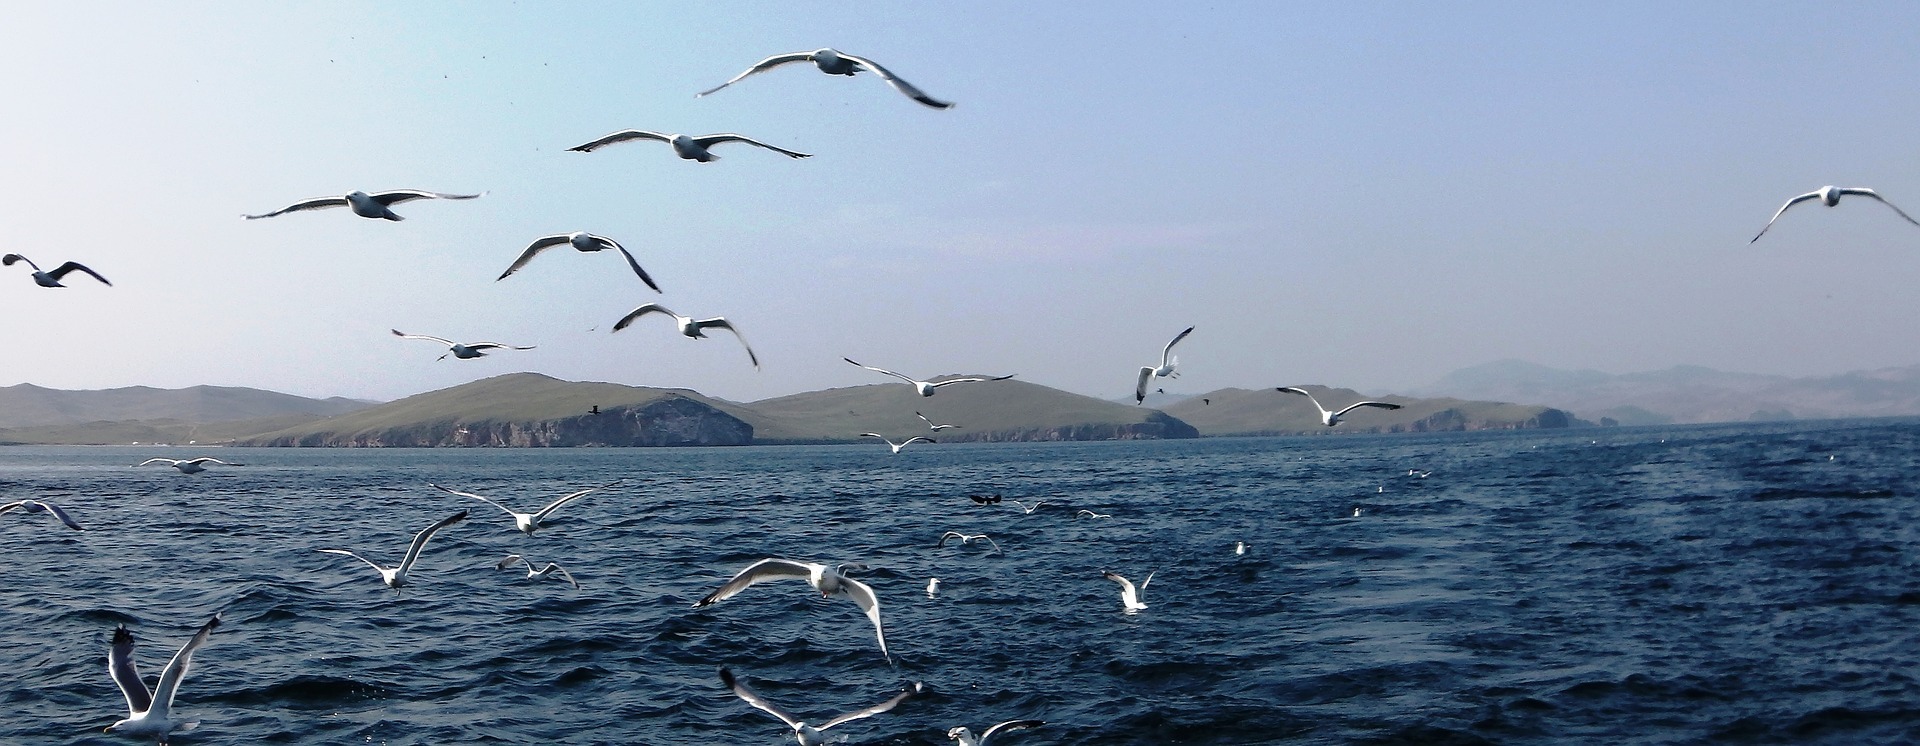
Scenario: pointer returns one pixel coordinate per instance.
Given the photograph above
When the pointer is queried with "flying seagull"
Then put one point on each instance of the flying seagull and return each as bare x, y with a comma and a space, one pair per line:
967, 738
689, 327
809, 735
829, 581
188, 466
1169, 362
543, 572
527, 523
1090, 514
1830, 196
930, 425
686, 146
365, 205
926, 388
150, 714
1329, 418
1129, 595
902, 444
395, 577
967, 539
581, 241
52, 279
1027, 510
833, 62
35, 506
462, 351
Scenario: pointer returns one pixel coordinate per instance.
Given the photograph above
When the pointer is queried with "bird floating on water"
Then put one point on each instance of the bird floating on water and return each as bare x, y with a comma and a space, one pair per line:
542, 573
188, 466
930, 425
1830, 195
396, 577
1129, 595
902, 444
829, 581
1168, 368
926, 388
460, 350
52, 279
1239, 548
984, 499
809, 735
528, 523
933, 585
966, 737
376, 205
835, 62
1330, 418
150, 714
967, 539
686, 146
689, 328
580, 241
35, 506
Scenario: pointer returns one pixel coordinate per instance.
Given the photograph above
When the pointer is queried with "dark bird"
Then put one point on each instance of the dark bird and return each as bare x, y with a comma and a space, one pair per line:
52, 279
580, 241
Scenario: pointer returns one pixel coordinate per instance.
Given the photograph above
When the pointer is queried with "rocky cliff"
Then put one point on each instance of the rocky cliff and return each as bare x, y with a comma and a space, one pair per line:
667, 421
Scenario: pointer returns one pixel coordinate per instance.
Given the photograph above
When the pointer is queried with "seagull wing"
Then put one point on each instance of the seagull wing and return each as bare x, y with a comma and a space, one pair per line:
621, 136
420, 539
533, 250
627, 320
1305, 393
916, 688
551, 567
496, 346
1007, 726
996, 545
950, 535
1863, 191
881, 370
212, 460
317, 203
862, 595
764, 65
766, 569
971, 379
404, 335
570, 497
923, 418
1127, 592
876, 435
722, 323
55, 510
631, 262
63, 269
167, 461
1783, 208
176, 670
507, 561
1357, 405
741, 690
710, 140
1166, 355
918, 437
1140, 386
1149, 580
370, 563
898, 84
125, 675
9, 259
474, 496
398, 196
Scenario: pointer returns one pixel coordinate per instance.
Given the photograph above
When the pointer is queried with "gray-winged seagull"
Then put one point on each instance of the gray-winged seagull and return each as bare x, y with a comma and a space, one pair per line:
810, 735
1830, 195
689, 327
580, 241
150, 714
365, 205
829, 581
835, 62
686, 146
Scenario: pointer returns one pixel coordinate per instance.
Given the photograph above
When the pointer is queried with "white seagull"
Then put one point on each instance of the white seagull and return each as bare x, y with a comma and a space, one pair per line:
902, 444
834, 62
809, 735
829, 581
35, 506
365, 205
933, 585
188, 466
689, 327
1333, 418
396, 577
967, 738
1830, 196
930, 425
150, 714
52, 279
967, 539
686, 146
528, 523
1129, 595
1169, 362
926, 388
1239, 548
1027, 510
580, 241
462, 351
541, 573
1090, 514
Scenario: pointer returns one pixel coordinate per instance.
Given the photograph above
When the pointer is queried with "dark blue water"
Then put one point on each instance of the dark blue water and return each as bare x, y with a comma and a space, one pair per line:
1726, 584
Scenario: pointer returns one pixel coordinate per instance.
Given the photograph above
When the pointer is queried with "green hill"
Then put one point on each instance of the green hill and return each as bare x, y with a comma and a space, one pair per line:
1235, 411
1008, 410
30, 406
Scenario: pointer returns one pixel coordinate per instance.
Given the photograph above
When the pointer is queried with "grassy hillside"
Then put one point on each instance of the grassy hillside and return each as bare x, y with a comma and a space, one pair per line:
1269, 412
991, 410
29, 406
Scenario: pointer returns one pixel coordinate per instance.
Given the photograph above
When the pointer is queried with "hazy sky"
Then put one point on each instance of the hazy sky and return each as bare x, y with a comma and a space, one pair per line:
1364, 197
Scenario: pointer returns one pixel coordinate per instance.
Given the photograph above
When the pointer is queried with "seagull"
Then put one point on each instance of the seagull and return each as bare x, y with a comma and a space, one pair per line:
1168, 363
834, 62
967, 738
809, 735
1356, 511
365, 205
1129, 595
188, 466
1333, 418
150, 714
967, 539
52, 279
686, 146
1027, 510
930, 425
395, 577
897, 446
529, 522
984, 499
933, 584
1830, 196
828, 581
1091, 514
580, 241
462, 351
688, 326
925, 388
544, 572
35, 506
1239, 548
1420, 474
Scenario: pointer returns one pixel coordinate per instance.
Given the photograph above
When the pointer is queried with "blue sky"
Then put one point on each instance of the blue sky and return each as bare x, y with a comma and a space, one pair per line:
1367, 198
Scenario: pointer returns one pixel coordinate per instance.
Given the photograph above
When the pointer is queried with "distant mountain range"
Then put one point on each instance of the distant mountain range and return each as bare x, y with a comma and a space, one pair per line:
1689, 394
1270, 412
